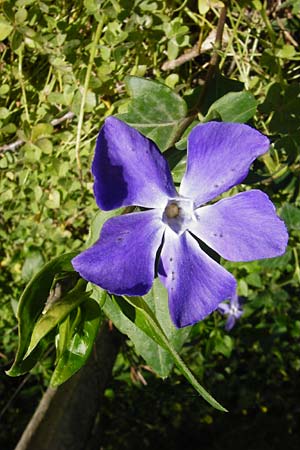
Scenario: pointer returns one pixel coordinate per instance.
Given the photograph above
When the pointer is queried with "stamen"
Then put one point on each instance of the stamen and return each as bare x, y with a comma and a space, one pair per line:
172, 210
178, 214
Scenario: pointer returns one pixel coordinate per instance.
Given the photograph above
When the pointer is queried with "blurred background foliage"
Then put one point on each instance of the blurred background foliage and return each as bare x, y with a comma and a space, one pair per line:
63, 67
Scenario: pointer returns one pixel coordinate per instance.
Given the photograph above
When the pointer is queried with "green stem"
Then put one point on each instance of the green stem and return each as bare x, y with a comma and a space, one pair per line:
297, 269
22, 84
84, 94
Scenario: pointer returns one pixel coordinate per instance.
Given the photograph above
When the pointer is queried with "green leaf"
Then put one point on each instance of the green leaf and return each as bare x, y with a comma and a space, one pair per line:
5, 28
21, 16
31, 305
140, 316
97, 223
53, 201
218, 87
155, 110
179, 170
291, 215
56, 313
79, 339
146, 320
233, 107
158, 358
287, 51
223, 345
121, 314
41, 130
33, 262
4, 112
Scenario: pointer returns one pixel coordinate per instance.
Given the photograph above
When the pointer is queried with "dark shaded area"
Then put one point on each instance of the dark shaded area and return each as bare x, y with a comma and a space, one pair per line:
172, 417
168, 415
65, 416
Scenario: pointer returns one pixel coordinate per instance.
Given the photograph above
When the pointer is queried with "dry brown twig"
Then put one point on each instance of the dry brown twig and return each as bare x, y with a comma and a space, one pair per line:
196, 50
14, 145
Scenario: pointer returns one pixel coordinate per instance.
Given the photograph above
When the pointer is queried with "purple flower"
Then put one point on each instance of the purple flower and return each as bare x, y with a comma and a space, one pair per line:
130, 170
233, 310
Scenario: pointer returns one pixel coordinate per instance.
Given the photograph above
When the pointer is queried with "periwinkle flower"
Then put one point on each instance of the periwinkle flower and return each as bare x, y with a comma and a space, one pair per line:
233, 310
129, 170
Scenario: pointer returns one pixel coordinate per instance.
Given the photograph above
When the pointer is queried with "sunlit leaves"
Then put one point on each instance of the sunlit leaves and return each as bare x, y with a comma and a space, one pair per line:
5, 28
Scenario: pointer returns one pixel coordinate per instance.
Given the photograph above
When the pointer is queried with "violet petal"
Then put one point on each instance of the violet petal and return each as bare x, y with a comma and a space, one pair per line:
122, 260
196, 284
219, 157
129, 169
230, 322
242, 228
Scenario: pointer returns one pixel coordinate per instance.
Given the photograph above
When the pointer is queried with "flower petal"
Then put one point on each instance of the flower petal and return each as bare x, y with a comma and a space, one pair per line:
224, 308
129, 169
242, 228
196, 283
122, 260
219, 157
230, 322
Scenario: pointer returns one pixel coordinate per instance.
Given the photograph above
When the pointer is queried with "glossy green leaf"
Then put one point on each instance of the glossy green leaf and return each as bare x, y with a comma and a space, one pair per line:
159, 359
155, 110
77, 340
130, 322
31, 305
140, 316
233, 107
218, 87
146, 320
33, 262
56, 313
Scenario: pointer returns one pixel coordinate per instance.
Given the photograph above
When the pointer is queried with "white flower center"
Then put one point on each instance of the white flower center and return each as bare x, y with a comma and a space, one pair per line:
179, 213
234, 310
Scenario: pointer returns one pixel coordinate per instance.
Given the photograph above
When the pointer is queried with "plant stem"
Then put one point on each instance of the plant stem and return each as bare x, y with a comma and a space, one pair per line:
84, 94
22, 84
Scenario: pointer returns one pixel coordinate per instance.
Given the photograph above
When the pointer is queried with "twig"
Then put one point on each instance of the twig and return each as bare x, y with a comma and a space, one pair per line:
14, 145
195, 51
68, 116
182, 59
213, 65
286, 34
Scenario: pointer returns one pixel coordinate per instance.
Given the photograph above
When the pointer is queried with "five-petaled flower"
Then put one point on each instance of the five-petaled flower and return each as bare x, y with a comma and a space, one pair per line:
233, 310
129, 170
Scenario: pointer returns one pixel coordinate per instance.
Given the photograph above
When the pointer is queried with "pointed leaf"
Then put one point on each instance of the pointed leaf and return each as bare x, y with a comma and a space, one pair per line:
31, 305
57, 312
158, 358
139, 315
233, 107
78, 342
144, 312
155, 110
